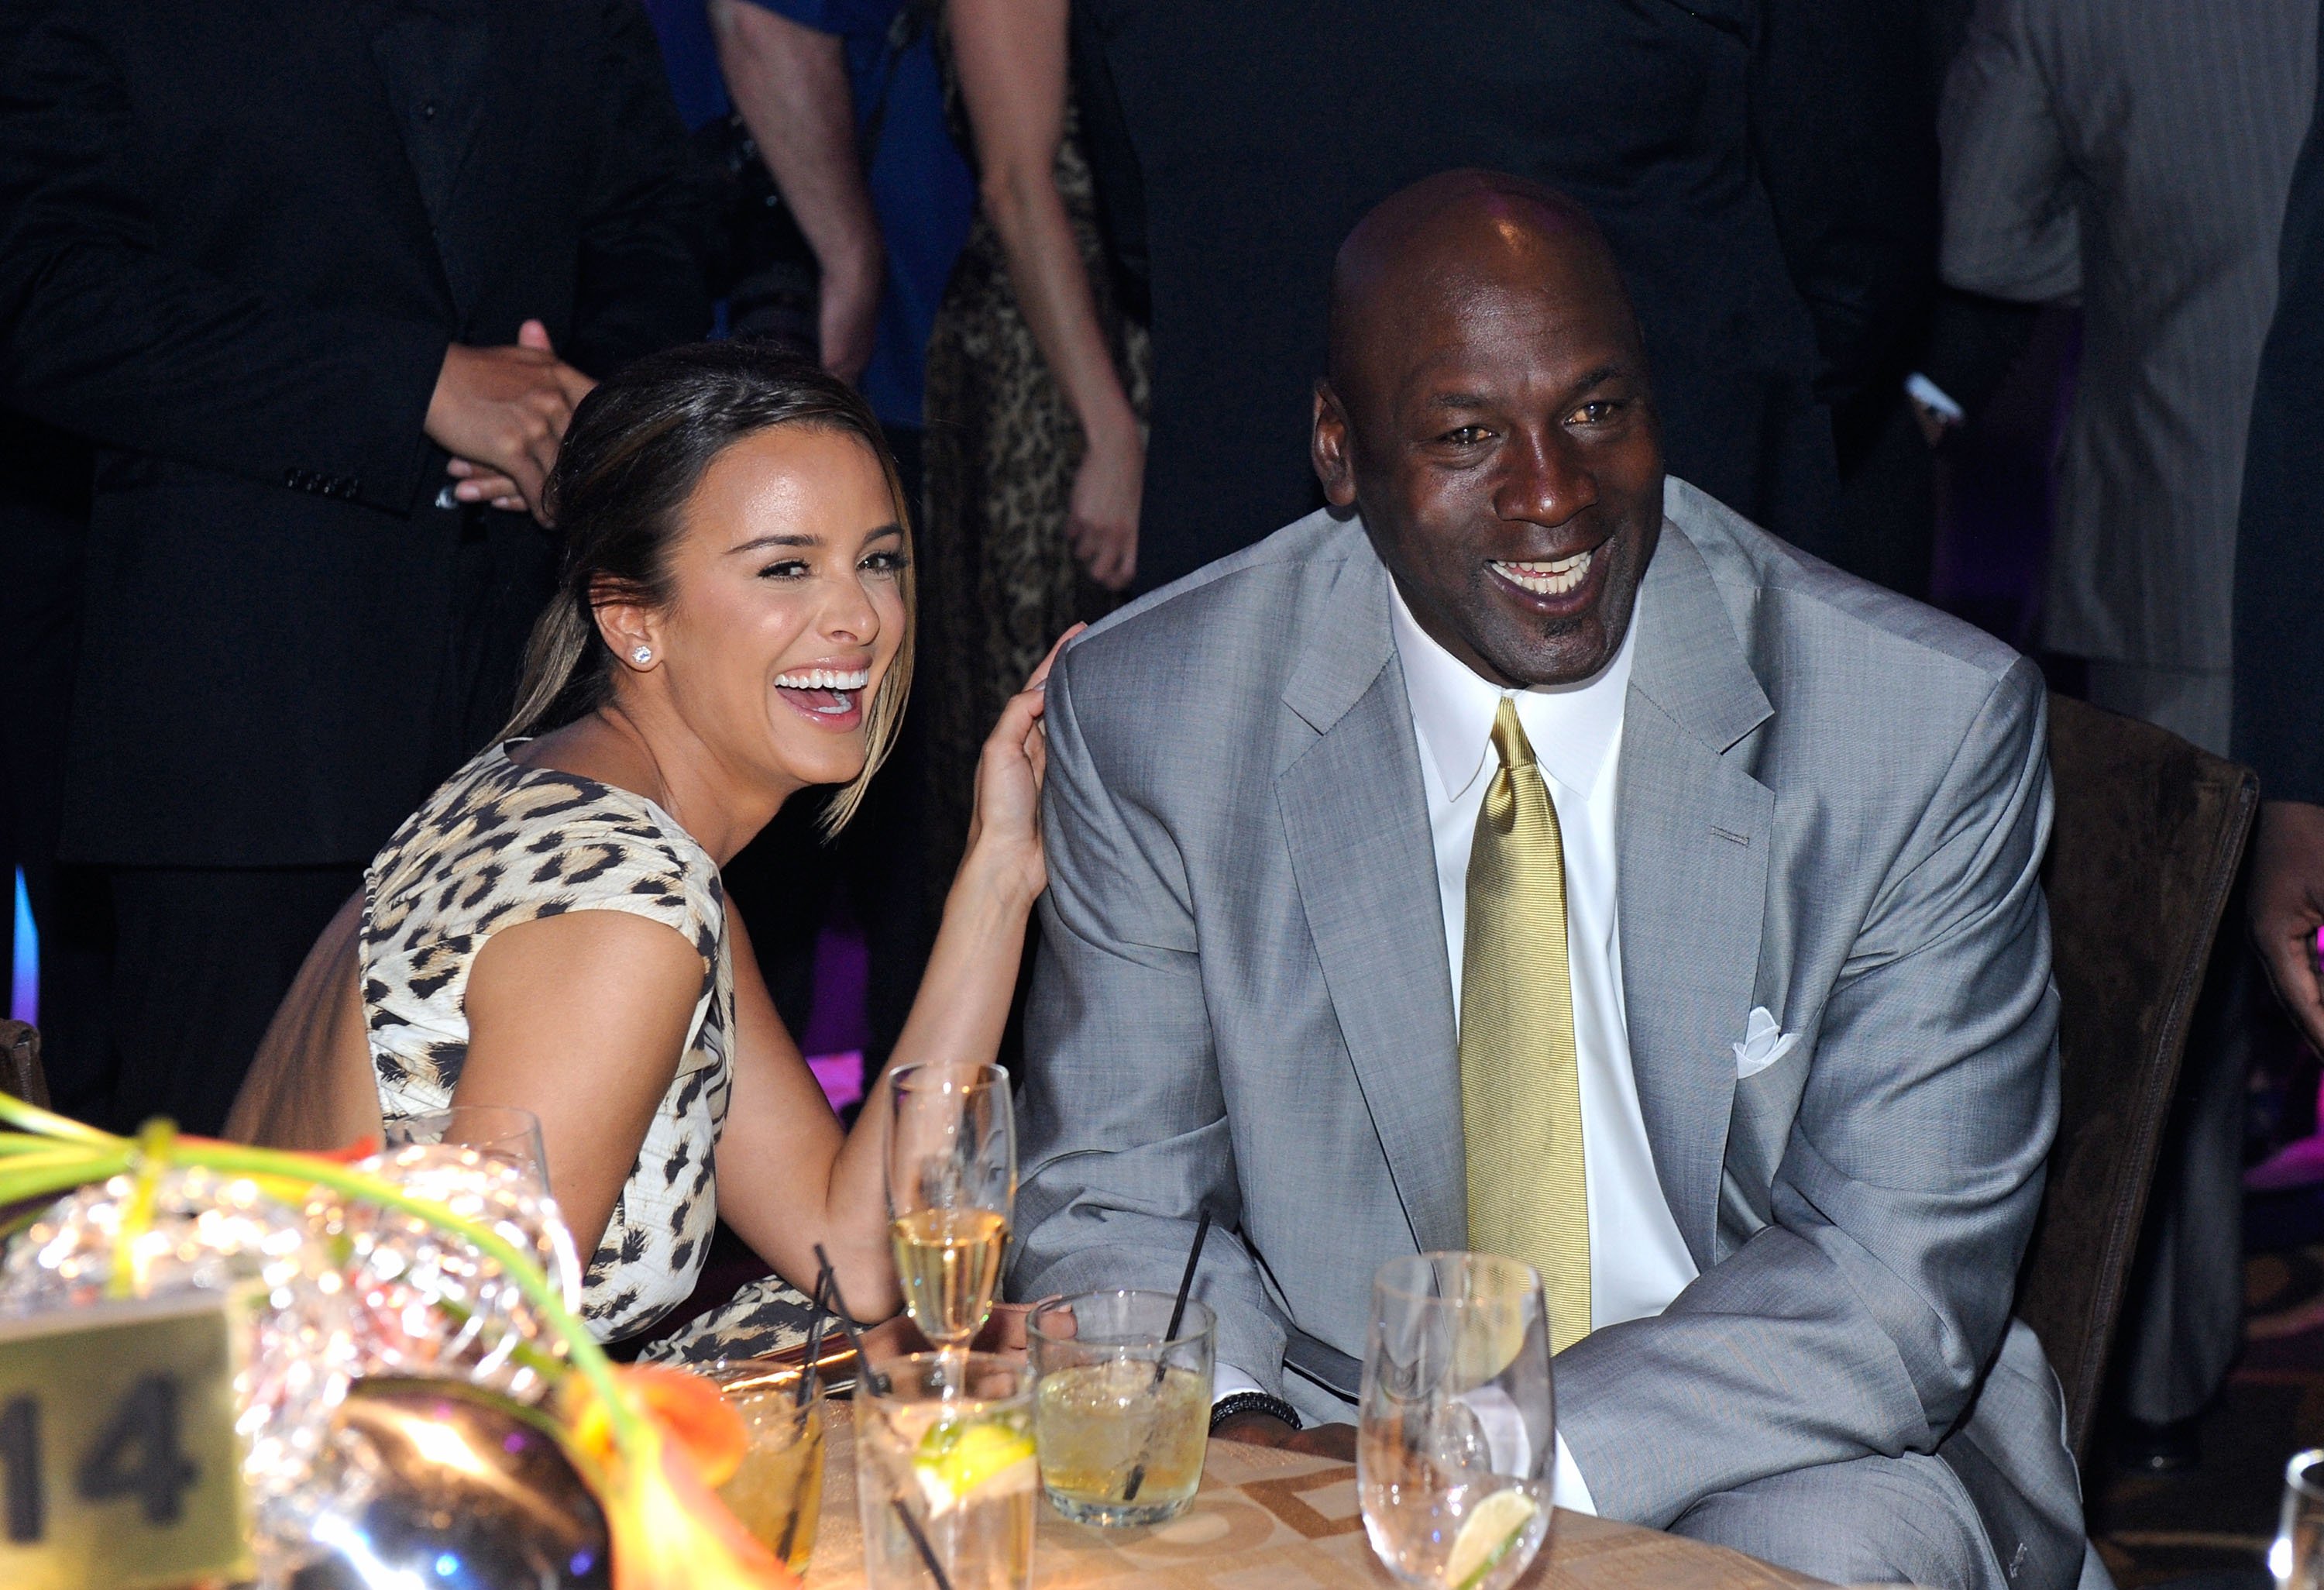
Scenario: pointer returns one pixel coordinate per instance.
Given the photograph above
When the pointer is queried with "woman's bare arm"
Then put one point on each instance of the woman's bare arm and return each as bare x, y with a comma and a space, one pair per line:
1011, 56
581, 1019
785, 1178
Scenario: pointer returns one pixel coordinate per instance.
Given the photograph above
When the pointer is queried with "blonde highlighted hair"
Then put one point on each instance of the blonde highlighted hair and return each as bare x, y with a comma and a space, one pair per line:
637, 447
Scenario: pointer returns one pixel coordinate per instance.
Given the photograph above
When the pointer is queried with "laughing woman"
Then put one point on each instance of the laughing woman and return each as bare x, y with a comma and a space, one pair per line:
548, 930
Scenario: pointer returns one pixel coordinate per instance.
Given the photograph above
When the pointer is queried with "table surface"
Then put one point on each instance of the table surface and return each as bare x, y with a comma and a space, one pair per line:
1282, 1520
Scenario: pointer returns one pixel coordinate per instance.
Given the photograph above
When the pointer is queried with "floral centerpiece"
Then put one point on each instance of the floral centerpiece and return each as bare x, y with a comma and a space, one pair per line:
360, 1261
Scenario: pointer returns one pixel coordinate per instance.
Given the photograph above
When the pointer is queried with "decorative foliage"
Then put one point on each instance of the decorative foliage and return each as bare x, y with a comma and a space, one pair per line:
422, 1261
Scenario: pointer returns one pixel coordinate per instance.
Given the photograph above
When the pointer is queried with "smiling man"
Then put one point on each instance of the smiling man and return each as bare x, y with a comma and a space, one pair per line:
1527, 854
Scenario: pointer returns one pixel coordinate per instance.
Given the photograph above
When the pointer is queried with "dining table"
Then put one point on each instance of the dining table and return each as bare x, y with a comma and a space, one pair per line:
1269, 1519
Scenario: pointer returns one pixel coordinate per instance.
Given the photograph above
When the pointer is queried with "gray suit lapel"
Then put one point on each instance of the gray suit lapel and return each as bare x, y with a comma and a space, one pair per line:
1355, 816
1694, 833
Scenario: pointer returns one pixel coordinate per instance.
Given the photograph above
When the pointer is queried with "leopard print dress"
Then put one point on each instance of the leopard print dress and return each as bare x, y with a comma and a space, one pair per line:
500, 844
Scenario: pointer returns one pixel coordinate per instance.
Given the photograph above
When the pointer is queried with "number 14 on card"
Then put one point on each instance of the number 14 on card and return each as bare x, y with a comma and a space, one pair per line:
119, 1466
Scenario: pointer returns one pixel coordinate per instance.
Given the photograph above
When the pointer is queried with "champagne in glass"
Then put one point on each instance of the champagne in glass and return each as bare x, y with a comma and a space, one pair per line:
948, 1261
952, 1186
1456, 1433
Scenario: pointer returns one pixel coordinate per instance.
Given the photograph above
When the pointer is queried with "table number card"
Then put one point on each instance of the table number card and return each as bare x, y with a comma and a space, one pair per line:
119, 1464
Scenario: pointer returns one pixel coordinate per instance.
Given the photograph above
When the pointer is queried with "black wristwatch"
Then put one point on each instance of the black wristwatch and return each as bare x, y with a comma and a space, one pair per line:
1227, 1408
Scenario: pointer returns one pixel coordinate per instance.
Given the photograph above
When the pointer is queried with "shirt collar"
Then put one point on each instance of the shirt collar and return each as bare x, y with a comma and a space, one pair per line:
1571, 726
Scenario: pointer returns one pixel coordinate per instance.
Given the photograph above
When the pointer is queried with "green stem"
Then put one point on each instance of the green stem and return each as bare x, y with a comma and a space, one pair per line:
41, 1123
52, 1180
110, 1155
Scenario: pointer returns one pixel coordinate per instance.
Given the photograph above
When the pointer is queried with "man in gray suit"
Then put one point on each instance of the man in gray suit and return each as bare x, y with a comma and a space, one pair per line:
1804, 1000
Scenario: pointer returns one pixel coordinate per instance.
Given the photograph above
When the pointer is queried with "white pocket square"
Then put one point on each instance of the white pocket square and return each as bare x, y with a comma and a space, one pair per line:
1763, 1044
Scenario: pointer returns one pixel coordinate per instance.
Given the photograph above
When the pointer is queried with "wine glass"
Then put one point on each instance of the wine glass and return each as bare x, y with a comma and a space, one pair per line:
502, 1131
502, 1135
951, 1188
2297, 1558
1456, 1437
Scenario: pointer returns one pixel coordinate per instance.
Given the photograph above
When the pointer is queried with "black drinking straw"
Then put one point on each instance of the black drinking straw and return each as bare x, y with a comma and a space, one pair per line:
809, 1370
1185, 1285
920, 1540
1177, 1317
873, 1381
802, 1399
876, 1383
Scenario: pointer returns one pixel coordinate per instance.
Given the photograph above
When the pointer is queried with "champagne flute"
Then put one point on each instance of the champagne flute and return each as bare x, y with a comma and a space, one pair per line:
1457, 1430
951, 1188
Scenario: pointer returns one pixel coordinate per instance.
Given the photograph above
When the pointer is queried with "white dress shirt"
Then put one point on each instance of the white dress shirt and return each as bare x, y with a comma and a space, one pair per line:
1637, 1261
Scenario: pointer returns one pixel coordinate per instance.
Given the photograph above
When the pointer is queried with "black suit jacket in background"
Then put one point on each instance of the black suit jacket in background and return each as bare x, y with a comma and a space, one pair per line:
1238, 140
2279, 641
215, 262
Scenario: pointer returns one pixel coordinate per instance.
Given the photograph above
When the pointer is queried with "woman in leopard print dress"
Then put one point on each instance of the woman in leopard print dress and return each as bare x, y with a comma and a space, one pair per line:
548, 930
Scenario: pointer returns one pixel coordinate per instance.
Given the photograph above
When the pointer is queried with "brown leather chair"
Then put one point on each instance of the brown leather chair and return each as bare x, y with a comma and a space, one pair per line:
20, 1064
2149, 833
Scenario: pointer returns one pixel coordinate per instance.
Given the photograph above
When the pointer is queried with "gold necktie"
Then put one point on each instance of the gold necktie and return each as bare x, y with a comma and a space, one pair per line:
1520, 1083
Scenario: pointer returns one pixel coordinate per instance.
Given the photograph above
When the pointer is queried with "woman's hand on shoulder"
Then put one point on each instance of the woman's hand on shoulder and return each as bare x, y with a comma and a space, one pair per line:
1004, 828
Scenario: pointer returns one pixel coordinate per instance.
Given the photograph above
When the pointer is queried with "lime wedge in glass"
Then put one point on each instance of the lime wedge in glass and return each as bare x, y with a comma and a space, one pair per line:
956, 1458
1486, 1537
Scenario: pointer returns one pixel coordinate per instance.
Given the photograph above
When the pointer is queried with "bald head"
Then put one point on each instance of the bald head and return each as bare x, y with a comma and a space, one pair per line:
1447, 237
1488, 413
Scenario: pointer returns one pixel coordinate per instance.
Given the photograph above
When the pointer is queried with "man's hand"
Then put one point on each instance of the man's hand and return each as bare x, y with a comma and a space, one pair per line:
1264, 1429
2287, 906
501, 413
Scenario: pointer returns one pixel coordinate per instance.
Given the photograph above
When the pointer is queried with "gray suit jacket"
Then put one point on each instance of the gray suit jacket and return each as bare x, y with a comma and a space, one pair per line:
2136, 154
1832, 803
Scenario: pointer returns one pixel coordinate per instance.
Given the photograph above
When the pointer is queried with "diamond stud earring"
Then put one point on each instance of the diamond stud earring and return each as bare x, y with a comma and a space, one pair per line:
641, 656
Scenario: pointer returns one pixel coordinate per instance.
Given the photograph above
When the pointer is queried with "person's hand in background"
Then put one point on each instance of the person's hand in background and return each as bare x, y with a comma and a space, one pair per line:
2286, 908
1102, 520
502, 413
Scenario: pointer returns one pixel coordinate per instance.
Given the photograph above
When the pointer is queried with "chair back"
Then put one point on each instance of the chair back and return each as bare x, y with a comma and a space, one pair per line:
2150, 831
20, 1076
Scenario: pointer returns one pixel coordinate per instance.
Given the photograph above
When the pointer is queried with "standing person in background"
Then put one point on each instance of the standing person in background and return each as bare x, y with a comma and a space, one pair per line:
322, 283
844, 100
1037, 446
44, 480
1843, 118
2279, 612
2138, 158
1236, 143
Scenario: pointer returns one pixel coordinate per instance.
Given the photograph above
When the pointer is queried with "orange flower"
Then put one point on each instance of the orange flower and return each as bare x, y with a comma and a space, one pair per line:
671, 1531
